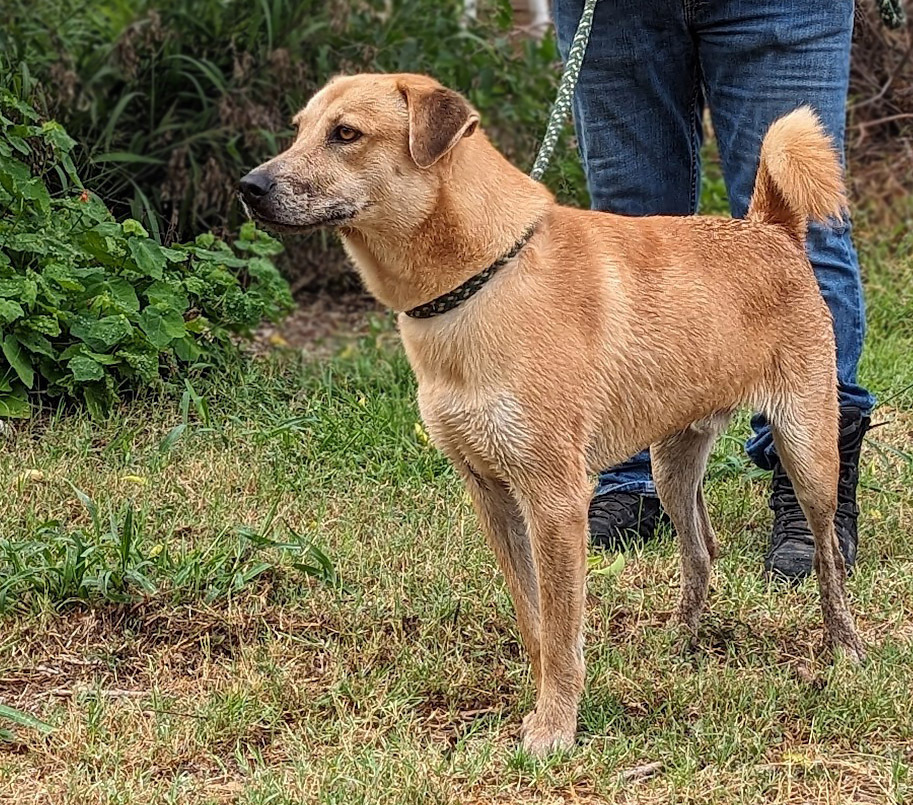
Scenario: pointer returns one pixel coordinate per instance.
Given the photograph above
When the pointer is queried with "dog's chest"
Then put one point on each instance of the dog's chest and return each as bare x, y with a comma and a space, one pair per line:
489, 430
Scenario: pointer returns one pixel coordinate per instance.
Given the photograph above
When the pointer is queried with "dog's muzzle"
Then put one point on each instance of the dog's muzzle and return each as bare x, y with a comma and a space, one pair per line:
291, 206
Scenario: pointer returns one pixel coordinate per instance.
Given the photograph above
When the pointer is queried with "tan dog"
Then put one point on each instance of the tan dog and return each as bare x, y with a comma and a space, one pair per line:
602, 335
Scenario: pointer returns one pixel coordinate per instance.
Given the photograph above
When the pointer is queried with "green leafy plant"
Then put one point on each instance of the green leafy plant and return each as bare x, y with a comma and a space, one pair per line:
21, 719
91, 306
119, 557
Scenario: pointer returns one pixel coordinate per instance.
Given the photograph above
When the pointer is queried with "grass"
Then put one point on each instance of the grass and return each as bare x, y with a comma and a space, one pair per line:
271, 589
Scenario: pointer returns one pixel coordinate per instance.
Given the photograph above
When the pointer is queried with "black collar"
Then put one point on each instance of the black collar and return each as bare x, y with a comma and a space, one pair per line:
473, 285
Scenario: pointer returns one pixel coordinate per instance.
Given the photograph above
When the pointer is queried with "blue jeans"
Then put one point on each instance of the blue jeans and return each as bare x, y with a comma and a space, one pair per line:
650, 67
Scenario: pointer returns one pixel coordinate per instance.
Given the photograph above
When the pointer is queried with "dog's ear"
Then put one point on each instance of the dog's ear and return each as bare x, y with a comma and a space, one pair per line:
438, 119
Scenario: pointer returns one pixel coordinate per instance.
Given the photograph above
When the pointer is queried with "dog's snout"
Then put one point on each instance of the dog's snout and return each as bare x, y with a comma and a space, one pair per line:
256, 184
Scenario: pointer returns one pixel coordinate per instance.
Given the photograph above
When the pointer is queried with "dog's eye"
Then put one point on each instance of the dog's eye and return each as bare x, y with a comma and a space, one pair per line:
345, 134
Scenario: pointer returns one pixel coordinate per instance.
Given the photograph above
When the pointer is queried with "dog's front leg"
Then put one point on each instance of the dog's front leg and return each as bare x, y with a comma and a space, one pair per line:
555, 506
506, 533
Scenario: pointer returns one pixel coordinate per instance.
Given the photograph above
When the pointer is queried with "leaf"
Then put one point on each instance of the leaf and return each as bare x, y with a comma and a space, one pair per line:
186, 349
126, 156
14, 407
134, 227
17, 358
248, 232
48, 325
102, 357
52, 370
16, 178
55, 134
148, 256
110, 229
161, 326
27, 242
176, 255
85, 369
13, 175
614, 569
91, 207
168, 295
62, 276
123, 293
19, 144
220, 258
172, 438
146, 364
197, 325
98, 400
102, 248
35, 342
10, 101
199, 403
24, 719
102, 334
242, 579
264, 245
87, 502
10, 311
23, 289
141, 580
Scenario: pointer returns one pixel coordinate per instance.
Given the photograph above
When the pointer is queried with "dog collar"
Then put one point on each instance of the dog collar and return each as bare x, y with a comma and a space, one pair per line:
472, 286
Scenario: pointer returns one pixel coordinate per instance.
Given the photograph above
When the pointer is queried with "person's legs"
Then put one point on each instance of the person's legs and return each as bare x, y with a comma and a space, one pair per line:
637, 112
760, 61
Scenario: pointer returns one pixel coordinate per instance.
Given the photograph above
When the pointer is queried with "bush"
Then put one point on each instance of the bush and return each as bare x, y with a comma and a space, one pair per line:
90, 306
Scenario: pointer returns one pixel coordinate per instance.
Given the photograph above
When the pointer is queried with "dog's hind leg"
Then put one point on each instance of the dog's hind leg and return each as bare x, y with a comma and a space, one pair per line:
506, 533
805, 432
679, 462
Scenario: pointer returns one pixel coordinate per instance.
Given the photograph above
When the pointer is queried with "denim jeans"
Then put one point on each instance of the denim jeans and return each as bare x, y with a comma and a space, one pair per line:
650, 67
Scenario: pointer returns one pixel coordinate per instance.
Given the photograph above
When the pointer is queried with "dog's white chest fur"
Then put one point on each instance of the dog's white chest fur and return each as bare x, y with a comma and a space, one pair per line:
487, 430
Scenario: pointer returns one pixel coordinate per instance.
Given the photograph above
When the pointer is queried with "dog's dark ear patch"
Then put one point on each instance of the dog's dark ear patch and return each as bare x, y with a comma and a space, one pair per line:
438, 119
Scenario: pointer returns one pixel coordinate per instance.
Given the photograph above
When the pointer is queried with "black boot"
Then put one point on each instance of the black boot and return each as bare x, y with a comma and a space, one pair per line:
792, 548
618, 519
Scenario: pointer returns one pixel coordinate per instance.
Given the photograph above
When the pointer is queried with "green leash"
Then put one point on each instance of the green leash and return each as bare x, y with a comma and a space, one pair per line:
892, 14
565, 97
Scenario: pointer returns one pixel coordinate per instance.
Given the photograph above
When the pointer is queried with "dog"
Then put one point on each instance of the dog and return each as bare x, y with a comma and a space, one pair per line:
549, 342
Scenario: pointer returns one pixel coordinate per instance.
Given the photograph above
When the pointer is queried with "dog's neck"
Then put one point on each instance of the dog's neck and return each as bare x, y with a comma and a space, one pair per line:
481, 210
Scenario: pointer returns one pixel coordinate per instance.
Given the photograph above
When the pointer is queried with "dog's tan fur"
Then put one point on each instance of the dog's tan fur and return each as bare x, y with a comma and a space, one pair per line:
604, 335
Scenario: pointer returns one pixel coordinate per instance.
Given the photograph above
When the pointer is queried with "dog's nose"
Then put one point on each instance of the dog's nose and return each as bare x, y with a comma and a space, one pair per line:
256, 184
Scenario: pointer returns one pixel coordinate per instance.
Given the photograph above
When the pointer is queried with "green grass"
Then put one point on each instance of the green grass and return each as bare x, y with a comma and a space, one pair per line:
274, 591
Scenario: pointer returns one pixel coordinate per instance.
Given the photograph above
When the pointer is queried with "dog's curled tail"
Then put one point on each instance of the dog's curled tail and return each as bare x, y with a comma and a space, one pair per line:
799, 176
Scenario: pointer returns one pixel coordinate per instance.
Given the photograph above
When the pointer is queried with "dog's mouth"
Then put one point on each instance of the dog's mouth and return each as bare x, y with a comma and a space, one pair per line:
332, 218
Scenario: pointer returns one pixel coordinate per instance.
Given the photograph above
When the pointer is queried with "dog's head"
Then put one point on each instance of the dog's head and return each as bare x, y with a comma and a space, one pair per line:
369, 148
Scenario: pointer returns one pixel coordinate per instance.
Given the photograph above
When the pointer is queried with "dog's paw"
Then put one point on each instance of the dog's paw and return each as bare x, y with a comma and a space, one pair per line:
683, 638
541, 735
842, 640
685, 644
850, 648
687, 619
